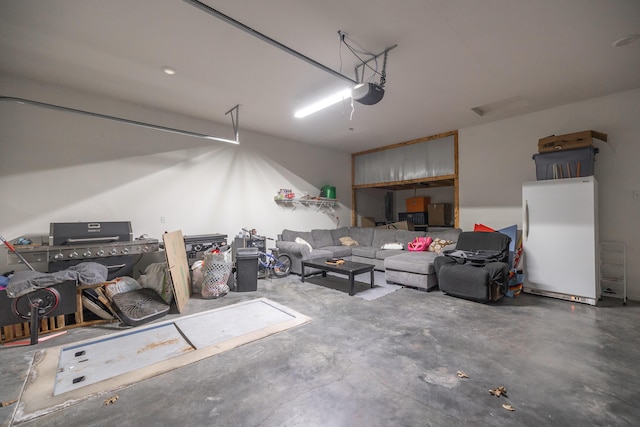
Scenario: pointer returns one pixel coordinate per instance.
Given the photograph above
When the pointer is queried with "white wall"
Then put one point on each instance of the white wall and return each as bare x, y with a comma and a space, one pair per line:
496, 158
61, 167
58, 167
370, 203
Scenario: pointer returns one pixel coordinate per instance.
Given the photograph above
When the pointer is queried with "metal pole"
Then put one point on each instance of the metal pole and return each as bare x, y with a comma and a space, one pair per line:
267, 39
117, 119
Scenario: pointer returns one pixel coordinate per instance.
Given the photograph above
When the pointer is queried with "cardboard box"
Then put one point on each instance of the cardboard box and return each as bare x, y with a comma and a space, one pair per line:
400, 225
439, 214
367, 221
417, 204
569, 141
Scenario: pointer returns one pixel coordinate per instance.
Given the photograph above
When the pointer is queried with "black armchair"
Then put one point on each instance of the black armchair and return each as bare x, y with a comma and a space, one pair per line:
487, 282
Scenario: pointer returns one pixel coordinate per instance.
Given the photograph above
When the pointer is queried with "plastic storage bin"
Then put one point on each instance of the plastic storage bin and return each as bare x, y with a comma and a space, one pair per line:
416, 218
565, 164
246, 269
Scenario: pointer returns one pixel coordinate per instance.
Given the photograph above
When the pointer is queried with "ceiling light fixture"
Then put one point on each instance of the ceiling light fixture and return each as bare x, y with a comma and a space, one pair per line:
623, 41
367, 93
502, 106
168, 70
323, 103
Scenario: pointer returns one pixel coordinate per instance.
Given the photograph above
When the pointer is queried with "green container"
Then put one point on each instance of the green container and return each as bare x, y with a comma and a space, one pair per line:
328, 191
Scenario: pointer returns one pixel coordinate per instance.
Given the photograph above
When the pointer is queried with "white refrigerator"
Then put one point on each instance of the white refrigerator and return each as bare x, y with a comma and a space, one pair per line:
560, 238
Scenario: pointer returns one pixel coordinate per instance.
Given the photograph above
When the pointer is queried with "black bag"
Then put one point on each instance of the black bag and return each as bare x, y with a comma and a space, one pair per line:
477, 258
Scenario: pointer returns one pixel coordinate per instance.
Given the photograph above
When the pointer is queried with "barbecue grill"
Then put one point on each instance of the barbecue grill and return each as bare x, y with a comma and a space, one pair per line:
108, 243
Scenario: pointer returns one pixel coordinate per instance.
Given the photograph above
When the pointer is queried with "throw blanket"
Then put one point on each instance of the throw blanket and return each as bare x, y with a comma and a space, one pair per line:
85, 273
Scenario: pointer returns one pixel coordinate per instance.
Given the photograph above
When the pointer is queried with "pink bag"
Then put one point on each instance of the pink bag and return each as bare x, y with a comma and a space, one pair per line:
419, 244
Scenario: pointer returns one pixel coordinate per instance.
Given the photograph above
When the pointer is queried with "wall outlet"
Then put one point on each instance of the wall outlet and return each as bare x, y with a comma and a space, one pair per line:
163, 220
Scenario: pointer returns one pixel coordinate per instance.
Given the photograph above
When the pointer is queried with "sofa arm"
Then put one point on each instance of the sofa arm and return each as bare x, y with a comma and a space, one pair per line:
298, 250
448, 247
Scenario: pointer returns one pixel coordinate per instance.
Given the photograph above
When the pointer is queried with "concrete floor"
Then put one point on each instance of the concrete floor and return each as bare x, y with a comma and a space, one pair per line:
387, 362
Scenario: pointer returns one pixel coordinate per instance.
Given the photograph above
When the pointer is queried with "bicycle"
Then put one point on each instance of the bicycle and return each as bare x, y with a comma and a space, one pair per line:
274, 263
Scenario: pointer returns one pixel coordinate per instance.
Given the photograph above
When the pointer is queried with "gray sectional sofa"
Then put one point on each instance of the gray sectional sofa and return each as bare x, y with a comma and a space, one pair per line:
414, 269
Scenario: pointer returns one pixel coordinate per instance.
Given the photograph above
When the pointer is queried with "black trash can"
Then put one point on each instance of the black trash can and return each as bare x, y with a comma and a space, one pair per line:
246, 269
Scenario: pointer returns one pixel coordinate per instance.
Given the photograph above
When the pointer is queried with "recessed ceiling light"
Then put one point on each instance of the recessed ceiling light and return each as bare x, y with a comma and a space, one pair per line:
168, 70
626, 40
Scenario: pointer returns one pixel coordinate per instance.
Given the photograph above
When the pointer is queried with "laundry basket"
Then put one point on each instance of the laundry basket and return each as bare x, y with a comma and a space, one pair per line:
217, 268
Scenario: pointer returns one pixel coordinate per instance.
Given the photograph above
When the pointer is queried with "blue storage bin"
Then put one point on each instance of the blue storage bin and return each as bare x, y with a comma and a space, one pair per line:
565, 164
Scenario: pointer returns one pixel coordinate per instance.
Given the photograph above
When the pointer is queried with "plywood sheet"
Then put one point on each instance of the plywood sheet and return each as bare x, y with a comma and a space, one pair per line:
145, 352
178, 267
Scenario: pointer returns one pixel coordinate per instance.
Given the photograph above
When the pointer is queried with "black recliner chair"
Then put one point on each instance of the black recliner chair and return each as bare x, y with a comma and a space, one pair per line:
474, 279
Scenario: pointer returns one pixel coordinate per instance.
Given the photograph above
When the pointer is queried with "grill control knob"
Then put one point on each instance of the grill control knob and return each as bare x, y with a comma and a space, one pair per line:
87, 253
73, 254
113, 252
100, 252
125, 251
58, 256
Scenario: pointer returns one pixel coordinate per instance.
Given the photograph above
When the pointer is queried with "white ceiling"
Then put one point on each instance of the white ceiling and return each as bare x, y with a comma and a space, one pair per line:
452, 55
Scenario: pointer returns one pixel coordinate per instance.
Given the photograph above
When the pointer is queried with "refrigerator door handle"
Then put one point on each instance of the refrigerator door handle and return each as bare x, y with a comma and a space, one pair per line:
525, 220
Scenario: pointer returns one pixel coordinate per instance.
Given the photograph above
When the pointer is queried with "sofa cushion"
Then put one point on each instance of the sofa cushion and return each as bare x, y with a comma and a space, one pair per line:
338, 251
362, 235
348, 241
438, 245
394, 246
337, 233
449, 234
382, 236
290, 236
364, 251
412, 262
386, 253
406, 236
301, 241
322, 238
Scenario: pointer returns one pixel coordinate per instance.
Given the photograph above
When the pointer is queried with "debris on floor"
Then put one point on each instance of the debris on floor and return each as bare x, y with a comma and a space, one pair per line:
499, 391
7, 403
461, 374
508, 407
111, 400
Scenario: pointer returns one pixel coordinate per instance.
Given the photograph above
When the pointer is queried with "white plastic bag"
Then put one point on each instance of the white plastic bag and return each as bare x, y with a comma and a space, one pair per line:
217, 269
156, 277
197, 276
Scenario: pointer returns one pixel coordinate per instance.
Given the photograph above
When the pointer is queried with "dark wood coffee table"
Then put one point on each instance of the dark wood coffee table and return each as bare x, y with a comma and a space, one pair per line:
349, 268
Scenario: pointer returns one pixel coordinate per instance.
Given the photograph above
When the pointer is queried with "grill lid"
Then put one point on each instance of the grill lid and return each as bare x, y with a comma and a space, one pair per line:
70, 233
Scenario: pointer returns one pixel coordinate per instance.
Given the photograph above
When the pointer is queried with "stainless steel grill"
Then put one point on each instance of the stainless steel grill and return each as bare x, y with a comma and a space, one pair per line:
108, 243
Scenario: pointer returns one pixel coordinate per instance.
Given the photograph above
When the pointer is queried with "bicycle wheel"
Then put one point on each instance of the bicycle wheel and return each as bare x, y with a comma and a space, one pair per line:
282, 267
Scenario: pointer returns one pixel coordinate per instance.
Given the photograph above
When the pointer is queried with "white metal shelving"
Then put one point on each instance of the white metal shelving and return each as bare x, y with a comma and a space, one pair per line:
320, 203
613, 270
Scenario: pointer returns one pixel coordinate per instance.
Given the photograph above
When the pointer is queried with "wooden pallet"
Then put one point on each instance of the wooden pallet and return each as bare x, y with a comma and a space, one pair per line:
52, 324
23, 330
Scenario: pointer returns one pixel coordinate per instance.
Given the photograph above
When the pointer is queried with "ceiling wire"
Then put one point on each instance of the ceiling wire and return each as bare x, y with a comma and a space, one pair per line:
363, 62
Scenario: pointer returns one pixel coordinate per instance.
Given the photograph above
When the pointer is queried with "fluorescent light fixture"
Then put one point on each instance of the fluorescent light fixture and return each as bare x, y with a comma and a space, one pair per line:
324, 103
